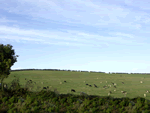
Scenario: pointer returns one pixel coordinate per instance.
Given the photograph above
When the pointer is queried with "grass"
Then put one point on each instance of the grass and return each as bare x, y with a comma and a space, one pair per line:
75, 80
25, 96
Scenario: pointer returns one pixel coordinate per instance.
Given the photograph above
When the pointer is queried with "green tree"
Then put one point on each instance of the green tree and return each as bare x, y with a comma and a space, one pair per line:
7, 59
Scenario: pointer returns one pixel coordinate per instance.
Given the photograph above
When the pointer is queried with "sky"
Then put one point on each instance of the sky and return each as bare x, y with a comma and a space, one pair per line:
88, 35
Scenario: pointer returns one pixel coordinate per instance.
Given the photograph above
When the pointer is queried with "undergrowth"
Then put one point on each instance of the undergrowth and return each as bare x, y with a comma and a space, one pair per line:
16, 99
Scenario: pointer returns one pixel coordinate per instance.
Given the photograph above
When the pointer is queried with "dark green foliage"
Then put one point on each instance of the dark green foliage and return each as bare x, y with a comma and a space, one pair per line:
141, 100
7, 59
55, 99
63, 100
124, 103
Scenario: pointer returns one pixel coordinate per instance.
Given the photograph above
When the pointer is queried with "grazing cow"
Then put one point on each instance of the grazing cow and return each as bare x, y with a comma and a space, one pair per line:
44, 88
122, 82
72, 90
95, 86
14, 76
30, 81
114, 86
123, 92
112, 83
87, 84
25, 79
104, 86
90, 85
64, 81
110, 92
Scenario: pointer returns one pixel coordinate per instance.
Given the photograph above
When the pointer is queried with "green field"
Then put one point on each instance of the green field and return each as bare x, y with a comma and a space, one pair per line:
75, 80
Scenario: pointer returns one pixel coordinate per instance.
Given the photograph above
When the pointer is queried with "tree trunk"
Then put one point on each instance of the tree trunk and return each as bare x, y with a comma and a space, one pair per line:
2, 86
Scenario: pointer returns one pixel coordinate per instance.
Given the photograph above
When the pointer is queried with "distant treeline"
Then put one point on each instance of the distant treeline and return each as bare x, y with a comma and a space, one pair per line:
131, 73
73, 71
54, 70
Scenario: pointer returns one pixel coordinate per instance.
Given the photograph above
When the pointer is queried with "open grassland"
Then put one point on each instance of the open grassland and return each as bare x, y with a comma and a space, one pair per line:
78, 80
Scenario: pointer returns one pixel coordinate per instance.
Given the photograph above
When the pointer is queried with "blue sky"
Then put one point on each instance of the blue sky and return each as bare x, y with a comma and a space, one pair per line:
92, 35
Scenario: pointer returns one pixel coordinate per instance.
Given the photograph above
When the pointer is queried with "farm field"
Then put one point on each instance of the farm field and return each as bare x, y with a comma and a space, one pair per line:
78, 80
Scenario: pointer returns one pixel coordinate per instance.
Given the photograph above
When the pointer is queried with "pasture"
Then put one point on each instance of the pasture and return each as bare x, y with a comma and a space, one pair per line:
78, 80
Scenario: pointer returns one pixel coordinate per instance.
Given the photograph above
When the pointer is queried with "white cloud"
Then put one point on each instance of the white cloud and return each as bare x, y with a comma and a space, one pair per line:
122, 34
84, 39
91, 13
98, 14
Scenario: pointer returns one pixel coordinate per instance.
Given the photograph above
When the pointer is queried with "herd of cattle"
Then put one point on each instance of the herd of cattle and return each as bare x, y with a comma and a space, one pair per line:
104, 87
73, 90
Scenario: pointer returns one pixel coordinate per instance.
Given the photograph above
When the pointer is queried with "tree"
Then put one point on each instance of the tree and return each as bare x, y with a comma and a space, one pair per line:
7, 59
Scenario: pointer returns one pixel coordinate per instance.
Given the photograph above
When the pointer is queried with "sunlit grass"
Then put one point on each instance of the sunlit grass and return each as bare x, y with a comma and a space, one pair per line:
77, 80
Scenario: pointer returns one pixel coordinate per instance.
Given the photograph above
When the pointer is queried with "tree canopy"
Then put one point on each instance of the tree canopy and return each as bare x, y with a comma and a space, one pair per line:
7, 59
